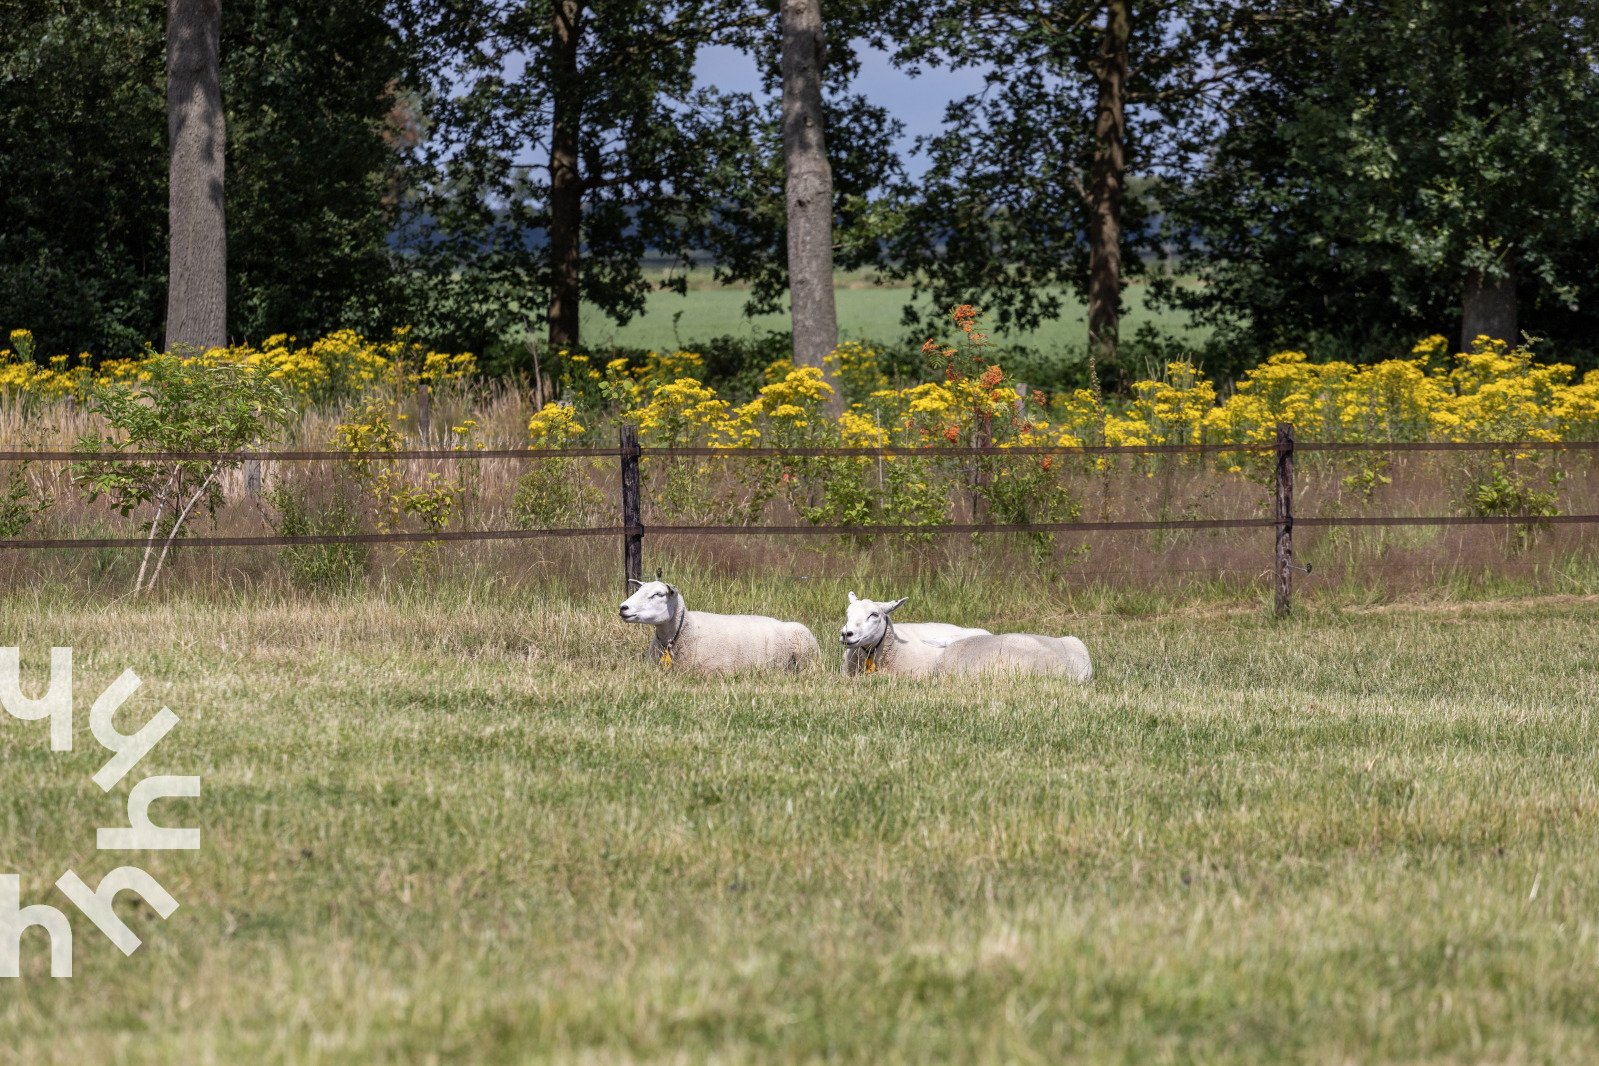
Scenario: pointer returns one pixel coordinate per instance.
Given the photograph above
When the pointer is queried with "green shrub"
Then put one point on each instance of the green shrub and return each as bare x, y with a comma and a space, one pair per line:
317, 565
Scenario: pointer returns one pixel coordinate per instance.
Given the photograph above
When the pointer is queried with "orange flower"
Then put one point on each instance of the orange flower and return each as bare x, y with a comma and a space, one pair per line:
1049, 460
952, 433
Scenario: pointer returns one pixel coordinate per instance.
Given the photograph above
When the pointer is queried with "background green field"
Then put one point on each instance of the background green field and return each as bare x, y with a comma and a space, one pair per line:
866, 311
464, 823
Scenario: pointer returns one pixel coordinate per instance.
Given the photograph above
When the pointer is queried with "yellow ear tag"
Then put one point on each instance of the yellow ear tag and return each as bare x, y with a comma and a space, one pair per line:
666, 660
871, 664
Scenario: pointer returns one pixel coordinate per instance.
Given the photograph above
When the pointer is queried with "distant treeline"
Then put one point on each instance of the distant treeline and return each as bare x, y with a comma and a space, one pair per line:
1344, 176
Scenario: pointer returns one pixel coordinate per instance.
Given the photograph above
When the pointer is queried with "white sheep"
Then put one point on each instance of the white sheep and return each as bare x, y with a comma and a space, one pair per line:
714, 643
873, 641
1026, 653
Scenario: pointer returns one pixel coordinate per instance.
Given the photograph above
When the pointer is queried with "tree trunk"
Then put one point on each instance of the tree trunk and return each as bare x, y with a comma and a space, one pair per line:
1105, 191
566, 184
197, 282
1489, 309
809, 192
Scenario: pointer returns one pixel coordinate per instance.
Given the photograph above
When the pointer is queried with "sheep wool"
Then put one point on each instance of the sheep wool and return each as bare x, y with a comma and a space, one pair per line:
1027, 653
715, 643
874, 642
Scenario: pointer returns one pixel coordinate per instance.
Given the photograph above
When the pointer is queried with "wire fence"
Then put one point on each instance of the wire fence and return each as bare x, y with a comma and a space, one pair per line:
631, 529
634, 453
647, 452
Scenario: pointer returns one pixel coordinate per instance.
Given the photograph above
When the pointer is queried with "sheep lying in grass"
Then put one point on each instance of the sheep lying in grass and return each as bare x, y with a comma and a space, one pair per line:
714, 643
1025, 653
872, 641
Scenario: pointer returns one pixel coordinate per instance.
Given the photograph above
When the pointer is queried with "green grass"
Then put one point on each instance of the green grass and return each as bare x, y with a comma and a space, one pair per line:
873, 312
464, 824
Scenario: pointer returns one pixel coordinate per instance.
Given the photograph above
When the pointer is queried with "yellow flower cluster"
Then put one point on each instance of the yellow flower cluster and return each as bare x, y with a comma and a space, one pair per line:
342, 364
346, 364
788, 409
679, 413
663, 368
1493, 392
621, 383
554, 426
859, 368
21, 378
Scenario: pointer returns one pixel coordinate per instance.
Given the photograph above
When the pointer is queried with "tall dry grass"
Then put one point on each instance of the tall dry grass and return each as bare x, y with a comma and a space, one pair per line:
1350, 564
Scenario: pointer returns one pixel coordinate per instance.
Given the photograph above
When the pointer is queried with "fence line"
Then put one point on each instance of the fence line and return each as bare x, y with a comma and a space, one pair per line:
632, 529
759, 531
647, 452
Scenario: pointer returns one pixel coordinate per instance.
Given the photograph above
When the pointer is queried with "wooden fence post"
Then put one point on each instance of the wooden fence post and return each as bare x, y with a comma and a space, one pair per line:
1285, 518
632, 521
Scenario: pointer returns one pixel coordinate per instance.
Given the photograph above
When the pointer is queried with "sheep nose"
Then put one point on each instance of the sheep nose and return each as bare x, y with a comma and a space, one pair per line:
622, 612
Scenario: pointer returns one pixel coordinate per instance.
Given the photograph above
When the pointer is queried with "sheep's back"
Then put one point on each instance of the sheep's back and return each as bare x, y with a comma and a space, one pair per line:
719, 643
1030, 653
939, 634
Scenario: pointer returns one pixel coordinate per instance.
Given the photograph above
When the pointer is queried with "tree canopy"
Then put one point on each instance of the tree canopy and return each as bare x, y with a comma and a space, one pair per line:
1391, 150
1337, 175
307, 88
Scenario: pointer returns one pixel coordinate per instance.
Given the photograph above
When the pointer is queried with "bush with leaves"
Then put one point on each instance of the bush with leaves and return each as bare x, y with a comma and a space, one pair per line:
978, 404
1517, 486
681, 412
554, 492
298, 514
18, 505
391, 492
180, 404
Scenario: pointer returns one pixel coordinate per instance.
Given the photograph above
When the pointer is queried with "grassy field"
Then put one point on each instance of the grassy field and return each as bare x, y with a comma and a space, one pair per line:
863, 310
463, 823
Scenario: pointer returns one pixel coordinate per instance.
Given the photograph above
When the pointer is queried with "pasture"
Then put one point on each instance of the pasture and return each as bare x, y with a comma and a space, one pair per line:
460, 821
864, 310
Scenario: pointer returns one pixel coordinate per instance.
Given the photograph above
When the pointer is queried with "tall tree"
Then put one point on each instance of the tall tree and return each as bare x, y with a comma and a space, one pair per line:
1404, 167
566, 177
83, 211
1027, 189
310, 190
197, 280
808, 188
314, 192
1108, 183
568, 141
788, 202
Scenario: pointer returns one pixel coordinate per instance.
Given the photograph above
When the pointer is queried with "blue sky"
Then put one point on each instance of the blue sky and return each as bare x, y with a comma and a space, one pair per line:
917, 102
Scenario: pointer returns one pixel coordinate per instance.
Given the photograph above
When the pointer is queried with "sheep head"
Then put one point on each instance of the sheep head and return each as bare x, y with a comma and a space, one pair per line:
651, 604
865, 621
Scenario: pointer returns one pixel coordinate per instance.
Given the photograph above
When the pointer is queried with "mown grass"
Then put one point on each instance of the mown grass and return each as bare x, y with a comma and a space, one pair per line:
872, 311
462, 823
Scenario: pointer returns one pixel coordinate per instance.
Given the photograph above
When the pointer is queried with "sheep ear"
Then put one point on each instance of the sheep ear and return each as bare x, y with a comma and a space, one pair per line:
896, 605
635, 582
852, 597
673, 588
